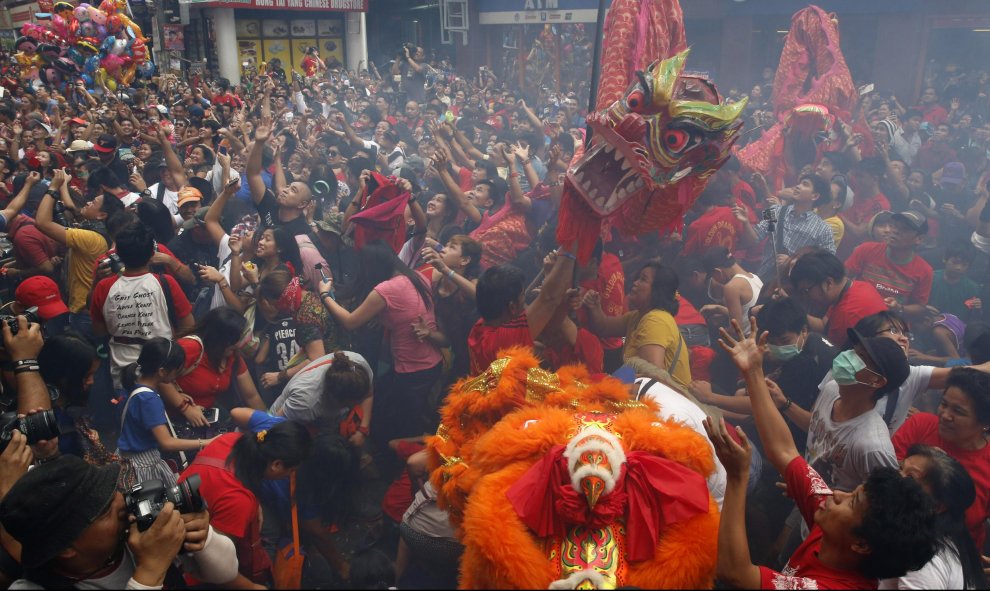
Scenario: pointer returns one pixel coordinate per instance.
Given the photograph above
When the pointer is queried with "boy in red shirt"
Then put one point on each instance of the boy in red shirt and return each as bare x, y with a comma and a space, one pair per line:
883, 529
869, 201
902, 278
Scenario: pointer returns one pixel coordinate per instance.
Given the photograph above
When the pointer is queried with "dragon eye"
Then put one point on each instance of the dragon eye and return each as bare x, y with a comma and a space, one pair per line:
676, 139
636, 101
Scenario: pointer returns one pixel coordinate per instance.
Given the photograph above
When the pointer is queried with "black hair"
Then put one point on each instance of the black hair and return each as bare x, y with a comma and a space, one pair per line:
663, 290
378, 263
817, 266
498, 287
869, 326
156, 216
840, 162
820, 186
782, 316
345, 383
329, 477
491, 171
359, 164
111, 205
975, 385
209, 157
372, 569
218, 329
65, 360
286, 246
566, 142
373, 113
873, 165
898, 525
472, 249
717, 257
135, 245
960, 250
103, 176
288, 442
952, 488
121, 220
157, 353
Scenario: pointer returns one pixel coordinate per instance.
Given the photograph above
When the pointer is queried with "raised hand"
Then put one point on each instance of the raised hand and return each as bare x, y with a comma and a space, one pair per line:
745, 352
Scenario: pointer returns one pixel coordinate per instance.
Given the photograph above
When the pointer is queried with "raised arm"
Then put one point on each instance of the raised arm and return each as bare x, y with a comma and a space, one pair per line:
519, 200
454, 190
16, 204
747, 354
253, 167
172, 161
215, 212
552, 294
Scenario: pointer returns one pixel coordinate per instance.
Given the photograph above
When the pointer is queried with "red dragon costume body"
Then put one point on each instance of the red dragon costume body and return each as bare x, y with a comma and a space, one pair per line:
659, 132
812, 91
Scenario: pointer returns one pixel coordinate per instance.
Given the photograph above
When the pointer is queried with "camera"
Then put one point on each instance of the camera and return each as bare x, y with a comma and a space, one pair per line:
410, 46
114, 263
37, 427
58, 214
145, 499
31, 314
770, 215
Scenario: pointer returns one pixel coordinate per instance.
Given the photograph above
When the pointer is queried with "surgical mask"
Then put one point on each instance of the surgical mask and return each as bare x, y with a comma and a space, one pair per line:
845, 367
784, 352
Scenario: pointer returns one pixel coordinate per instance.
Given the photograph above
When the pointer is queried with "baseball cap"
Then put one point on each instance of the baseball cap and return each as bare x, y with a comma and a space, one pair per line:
78, 121
914, 220
106, 144
48, 508
199, 219
332, 222
187, 194
888, 357
42, 292
80, 146
953, 173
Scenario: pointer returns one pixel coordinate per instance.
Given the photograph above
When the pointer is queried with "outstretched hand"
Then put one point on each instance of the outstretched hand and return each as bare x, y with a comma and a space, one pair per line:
746, 352
734, 457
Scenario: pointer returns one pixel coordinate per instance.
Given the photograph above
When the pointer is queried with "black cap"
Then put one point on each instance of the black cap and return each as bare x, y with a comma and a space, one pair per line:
53, 504
106, 144
913, 220
887, 356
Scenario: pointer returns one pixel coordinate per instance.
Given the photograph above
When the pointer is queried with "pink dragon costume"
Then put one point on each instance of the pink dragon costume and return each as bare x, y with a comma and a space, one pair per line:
659, 132
812, 89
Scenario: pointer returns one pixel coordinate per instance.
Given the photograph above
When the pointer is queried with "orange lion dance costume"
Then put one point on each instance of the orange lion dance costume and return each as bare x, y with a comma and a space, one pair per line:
556, 481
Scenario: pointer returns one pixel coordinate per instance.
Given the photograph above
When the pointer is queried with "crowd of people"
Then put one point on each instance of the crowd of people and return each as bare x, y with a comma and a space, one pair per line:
266, 289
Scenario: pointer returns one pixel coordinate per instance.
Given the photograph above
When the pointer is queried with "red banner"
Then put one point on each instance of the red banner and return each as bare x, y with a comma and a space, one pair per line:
332, 5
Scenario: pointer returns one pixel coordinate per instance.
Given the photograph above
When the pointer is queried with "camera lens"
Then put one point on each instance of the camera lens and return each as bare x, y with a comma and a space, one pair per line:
40, 426
185, 495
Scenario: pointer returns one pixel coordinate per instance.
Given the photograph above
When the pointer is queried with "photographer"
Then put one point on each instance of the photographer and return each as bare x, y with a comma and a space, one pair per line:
409, 70
75, 531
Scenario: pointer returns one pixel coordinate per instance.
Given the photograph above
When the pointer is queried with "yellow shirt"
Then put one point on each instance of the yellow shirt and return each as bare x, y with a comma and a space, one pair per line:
838, 228
657, 327
85, 248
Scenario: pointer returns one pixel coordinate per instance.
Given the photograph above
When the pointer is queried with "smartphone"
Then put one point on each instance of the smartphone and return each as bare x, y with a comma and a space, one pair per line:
212, 415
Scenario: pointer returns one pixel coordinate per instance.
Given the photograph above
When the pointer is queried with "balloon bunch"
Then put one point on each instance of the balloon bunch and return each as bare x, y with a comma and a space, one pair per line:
100, 45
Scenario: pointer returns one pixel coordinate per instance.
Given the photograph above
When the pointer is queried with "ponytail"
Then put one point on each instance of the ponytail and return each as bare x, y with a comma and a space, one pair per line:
157, 353
288, 442
346, 383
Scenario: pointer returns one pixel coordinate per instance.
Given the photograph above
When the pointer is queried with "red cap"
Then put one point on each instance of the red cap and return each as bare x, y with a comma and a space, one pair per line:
42, 292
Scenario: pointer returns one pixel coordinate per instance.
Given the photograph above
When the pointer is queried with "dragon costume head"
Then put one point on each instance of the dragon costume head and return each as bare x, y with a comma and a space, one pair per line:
654, 150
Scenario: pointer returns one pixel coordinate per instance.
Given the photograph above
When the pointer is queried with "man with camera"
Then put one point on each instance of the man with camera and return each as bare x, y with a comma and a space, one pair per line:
76, 530
409, 71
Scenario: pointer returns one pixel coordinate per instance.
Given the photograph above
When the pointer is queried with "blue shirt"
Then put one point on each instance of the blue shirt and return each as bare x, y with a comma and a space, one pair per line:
145, 411
275, 493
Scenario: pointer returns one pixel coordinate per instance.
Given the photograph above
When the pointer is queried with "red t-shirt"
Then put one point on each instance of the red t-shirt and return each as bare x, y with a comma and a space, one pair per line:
923, 428
610, 283
205, 382
485, 341
31, 246
910, 283
860, 300
465, 179
861, 212
687, 314
586, 350
143, 328
716, 227
804, 570
233, 508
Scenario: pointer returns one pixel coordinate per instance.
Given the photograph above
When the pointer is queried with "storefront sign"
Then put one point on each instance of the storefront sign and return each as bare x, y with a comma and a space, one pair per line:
524, 12
336, 5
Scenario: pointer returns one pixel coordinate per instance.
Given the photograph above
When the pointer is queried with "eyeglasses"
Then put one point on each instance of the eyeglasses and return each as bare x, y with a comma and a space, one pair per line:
334, 153
894, 331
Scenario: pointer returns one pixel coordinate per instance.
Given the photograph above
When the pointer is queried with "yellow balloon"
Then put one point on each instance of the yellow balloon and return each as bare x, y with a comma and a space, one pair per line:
111, 84
127, 74
126, 20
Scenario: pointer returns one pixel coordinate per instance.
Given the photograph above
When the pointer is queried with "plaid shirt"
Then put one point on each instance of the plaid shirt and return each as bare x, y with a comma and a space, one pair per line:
793, 232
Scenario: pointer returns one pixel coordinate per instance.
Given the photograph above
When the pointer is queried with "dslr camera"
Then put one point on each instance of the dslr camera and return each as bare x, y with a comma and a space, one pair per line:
402, 50
114, 263
145, 500
11, 320
37, 427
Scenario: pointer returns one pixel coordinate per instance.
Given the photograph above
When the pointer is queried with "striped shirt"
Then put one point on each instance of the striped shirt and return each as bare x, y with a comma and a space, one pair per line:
793, 232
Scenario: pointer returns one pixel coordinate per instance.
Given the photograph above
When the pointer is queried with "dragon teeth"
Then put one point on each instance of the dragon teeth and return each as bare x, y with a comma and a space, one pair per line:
619, 156
625, 165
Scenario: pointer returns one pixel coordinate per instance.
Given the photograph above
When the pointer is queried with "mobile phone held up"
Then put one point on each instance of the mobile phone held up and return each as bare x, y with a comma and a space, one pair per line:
212, 415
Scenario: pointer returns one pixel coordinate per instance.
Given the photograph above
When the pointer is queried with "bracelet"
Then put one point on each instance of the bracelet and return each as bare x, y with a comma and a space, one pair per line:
451, 273
787, 405
200, 442
324, 295
564, 253
527, 161
363, 430
185, 404
27, 368
21, 362
224, 285
54, 456
514, 175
